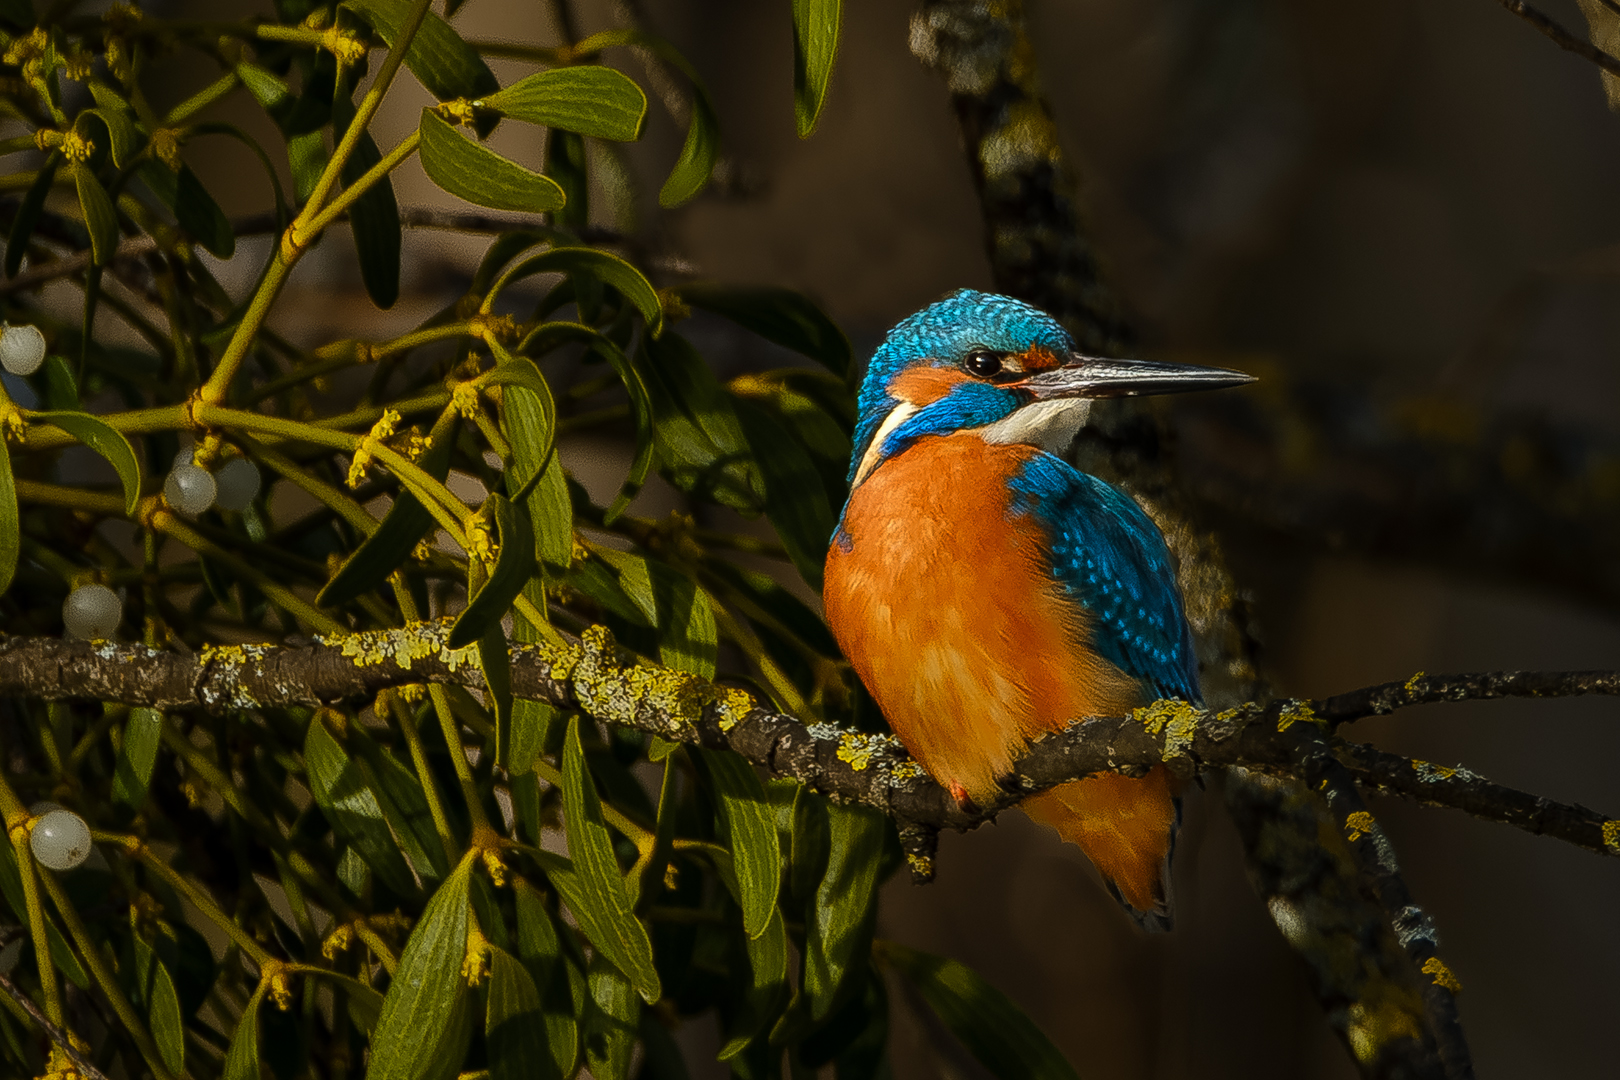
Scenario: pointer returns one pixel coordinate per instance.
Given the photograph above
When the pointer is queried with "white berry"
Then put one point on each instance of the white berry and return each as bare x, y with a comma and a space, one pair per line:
238, 482
189, 489
22, 349
60, 839
92, 611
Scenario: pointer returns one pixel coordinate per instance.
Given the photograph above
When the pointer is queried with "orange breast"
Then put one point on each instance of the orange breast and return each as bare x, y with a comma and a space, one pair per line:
944, 603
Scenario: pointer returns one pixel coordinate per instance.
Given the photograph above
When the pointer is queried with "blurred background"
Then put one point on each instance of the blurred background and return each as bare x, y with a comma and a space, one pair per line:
1412, 201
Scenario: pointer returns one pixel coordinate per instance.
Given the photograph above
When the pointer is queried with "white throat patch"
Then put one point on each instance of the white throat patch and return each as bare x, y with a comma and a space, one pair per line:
897, 416
1050, 425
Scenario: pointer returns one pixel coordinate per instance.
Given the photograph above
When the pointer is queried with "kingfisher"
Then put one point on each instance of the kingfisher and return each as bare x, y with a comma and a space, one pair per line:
987, 592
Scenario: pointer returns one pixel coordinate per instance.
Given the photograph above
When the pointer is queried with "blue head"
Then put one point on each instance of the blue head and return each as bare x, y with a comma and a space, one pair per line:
995, 366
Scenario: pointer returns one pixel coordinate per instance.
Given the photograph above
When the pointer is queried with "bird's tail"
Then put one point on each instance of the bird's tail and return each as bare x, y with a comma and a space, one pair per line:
1127, 828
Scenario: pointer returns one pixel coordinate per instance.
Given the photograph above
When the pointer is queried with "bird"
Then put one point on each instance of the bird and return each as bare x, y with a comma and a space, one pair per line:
987, 592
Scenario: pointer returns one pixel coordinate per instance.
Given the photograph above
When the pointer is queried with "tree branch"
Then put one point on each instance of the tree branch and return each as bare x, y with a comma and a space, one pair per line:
1563, 38
589, 676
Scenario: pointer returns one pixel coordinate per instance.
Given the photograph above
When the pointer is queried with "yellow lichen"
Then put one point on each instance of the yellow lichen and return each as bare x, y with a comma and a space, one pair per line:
1177, 721
858, 749
921, 865
1442, 975
1295, 710
1412, 683
731, 706
1428, 770
382, 430
1358, 824
907, 771
1611, 835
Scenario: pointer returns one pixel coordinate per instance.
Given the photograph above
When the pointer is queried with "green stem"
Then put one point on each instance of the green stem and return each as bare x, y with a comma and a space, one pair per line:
430, 787
367, 180
293, 240
105, 978
198, 897
201, 99
36, 925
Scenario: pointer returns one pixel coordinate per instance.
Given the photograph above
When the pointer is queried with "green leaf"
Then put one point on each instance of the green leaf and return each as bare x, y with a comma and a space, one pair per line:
100, 219
996, 1031
167, 1021
268, 90
514, 563
137, 754
374, 216
611, 1026
514, 1025
439, 57
11, 887
22, 226
10, 524
306, 158
838, 926
200, 216
365, 1004
565, 163
701, 446
528, 417
767, 992
749, 830
480, 175
541, 952
605, 913
671, 603
110, 111
795, 499
606, 268
342, 789
587, 99
401, 529
242, 1060
426, 1023
698, 154
782, 316
61, 388
105, 440
405, 806
815, 47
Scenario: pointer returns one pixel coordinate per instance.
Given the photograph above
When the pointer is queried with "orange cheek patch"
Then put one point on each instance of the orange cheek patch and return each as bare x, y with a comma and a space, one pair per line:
1040, 359
924, 385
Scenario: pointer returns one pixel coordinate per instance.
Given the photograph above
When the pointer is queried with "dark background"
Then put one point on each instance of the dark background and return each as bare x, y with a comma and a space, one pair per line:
1421, 200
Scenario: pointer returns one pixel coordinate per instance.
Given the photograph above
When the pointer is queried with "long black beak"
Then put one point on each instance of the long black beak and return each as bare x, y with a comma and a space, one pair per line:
1095, 377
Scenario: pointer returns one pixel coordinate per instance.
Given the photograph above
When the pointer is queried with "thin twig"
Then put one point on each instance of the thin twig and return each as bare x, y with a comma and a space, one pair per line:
1563, 38
61, 1038
1423, 689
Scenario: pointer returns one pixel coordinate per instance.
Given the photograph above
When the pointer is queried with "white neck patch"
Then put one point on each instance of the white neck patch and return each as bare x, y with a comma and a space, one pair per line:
874, 449
1050, 425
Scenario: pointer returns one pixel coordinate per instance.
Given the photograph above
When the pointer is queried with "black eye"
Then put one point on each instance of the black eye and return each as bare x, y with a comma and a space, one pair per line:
983, 363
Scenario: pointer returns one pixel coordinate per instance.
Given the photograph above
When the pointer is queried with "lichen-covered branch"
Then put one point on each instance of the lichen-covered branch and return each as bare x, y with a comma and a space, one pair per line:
1324, 773
592, 677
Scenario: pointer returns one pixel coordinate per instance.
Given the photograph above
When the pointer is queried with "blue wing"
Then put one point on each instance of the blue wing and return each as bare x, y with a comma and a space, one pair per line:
1111, 557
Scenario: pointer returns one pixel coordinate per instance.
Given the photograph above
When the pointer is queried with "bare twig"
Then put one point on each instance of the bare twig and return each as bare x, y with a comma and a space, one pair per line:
1465, 790
1424, 689
62, 1039
1563, 38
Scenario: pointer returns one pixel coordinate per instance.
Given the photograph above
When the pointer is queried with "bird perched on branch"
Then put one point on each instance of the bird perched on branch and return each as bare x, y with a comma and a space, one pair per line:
987, 592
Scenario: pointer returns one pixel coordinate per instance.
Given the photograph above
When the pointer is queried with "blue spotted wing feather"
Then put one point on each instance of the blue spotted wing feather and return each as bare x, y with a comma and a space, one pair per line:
1112, 559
